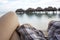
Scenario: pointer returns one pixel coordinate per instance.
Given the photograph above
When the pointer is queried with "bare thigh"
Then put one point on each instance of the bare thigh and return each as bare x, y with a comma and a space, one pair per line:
8, 24
15, 36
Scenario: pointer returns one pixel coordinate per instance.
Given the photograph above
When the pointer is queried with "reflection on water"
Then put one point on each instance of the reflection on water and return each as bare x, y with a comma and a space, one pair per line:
39, 21
51, 15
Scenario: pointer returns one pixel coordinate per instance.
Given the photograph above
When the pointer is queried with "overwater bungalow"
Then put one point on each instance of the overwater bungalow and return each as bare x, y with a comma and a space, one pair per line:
50, 9
29, 10
19, 11
55, 10
46, 10
38, 9
58, 9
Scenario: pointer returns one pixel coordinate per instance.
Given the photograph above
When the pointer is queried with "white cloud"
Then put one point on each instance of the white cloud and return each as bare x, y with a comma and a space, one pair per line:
15, 4
3, 1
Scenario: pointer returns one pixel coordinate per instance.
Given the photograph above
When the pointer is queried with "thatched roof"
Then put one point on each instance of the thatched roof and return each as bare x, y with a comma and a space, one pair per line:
38, 9
19, 10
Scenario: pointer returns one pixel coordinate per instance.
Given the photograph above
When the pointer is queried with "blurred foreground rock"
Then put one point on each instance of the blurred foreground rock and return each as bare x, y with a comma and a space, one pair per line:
27, 32
54, 30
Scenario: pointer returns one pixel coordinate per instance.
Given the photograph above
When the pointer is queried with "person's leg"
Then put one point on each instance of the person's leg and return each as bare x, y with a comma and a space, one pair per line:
15, 36
8, 23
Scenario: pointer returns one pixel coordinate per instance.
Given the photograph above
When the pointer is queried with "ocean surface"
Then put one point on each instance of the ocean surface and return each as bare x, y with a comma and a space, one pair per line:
39, 21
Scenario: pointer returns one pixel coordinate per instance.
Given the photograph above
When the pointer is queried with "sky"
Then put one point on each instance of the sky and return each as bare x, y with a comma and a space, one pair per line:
24, 4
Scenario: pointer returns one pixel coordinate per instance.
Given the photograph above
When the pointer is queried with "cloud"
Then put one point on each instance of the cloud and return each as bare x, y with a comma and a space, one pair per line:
3, 1
15, 4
